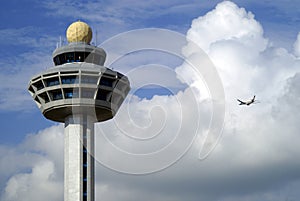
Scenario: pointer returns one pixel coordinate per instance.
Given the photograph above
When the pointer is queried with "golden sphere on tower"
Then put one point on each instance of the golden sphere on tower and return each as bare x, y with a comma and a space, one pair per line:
79, 32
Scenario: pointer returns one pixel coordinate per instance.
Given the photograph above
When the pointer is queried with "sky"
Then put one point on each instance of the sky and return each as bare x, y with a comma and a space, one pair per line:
180, 134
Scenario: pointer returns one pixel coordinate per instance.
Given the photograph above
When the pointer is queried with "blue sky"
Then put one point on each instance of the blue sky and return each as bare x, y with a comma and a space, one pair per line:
30, 30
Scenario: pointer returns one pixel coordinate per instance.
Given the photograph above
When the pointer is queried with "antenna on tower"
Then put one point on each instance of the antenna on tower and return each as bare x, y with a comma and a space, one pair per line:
60, 41
96, 37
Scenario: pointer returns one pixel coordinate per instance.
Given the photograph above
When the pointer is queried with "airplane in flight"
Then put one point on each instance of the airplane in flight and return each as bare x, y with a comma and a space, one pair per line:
249, 102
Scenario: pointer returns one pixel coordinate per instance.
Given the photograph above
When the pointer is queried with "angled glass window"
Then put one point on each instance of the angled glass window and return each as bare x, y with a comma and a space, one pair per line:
89, 57
39, 85
79, 57
102, 94
71, 93
56, 60
31, 89
56, 94
52, 81
87, 93
89, 79
37, 100
62, 58
115, 97
106, 82
69, 79
44, 97
70, 57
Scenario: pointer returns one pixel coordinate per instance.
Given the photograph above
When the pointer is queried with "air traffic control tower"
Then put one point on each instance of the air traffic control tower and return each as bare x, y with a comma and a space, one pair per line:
79, 91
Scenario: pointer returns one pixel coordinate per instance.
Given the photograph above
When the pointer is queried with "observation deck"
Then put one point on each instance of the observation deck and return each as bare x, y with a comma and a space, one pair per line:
79, 83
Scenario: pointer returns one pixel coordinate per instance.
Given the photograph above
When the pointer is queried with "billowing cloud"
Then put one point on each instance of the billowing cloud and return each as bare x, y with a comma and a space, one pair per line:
36, 185
256, 159
297, 46
227, 22
34, 169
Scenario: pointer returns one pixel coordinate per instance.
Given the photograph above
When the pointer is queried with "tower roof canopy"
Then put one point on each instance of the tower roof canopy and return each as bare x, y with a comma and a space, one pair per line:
79, 32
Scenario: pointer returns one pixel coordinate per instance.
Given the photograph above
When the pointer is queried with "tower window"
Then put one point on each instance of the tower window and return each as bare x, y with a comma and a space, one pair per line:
44, 97
62, 58
70, 57
37, 100
56, 60
121, 86
71, 93
102, 94
69, 80
87, 93
89, 57
79, 56
56, 94
39, 85
89, 79
52, 82
106, 82
31, 89
84, 170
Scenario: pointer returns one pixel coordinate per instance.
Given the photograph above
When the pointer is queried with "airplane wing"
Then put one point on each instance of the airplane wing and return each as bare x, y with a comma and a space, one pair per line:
241, 102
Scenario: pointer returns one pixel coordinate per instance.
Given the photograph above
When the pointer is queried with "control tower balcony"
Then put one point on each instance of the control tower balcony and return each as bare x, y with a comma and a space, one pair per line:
71, 88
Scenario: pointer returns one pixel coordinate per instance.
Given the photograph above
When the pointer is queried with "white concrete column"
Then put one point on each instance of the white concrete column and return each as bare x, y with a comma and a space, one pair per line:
78, 163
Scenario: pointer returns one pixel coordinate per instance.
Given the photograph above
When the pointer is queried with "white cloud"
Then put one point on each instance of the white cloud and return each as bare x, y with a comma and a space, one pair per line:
39, 184
227, 22
246, 62
256, 157
33, 170
297, 46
